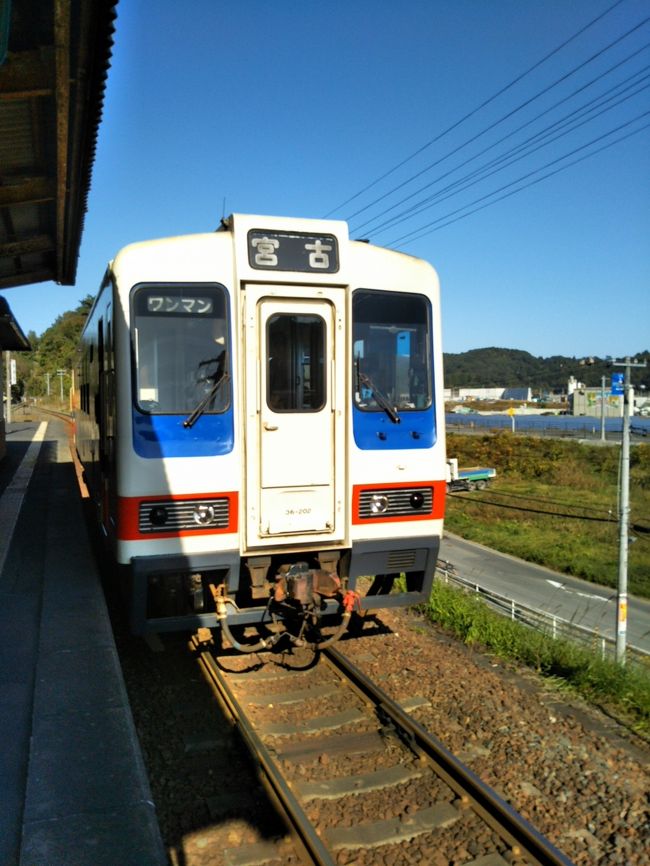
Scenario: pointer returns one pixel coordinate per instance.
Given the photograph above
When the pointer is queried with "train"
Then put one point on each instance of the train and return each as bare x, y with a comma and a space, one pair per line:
260, 424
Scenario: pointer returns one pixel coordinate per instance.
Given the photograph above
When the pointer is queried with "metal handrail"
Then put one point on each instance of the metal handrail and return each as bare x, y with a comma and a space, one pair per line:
548, 623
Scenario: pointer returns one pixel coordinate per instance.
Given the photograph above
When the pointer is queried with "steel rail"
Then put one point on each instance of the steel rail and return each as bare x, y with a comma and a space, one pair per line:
62, 416
298, 822
501, 817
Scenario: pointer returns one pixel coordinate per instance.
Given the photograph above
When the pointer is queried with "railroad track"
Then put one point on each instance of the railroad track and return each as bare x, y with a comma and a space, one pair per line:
68, 420
30, 410
356, 778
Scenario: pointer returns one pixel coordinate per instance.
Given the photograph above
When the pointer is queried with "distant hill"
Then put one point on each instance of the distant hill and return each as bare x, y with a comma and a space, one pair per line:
510, 368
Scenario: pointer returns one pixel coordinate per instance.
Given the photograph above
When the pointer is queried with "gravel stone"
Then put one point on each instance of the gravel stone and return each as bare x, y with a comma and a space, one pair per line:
581, 779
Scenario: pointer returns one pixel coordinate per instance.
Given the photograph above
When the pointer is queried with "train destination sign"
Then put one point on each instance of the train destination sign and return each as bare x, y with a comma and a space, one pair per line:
177, 305
292, 251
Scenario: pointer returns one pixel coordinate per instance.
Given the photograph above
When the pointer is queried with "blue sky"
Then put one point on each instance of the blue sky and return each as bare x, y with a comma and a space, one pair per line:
292, 108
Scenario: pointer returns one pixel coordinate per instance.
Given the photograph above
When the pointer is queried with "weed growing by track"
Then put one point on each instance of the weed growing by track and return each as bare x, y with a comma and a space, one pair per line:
623, 691
555, 503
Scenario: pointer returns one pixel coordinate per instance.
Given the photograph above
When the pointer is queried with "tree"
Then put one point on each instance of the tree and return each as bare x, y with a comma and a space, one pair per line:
55, 349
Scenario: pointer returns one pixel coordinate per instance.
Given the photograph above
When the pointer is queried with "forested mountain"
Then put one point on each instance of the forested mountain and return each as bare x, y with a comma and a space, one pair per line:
511, 368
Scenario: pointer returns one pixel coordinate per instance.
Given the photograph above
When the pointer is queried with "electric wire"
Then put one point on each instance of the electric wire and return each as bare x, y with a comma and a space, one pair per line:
495, 123
520, 189
566, 124
479, 173
473, 498
477, 109
545, 499
513, 156
422, 231
637, 528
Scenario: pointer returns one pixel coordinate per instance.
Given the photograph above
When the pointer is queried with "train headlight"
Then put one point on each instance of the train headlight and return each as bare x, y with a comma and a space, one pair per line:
203, 514
417, 499
158, 515
379, 504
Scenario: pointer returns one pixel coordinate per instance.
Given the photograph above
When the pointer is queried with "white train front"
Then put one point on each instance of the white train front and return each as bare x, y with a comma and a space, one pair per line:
262, 429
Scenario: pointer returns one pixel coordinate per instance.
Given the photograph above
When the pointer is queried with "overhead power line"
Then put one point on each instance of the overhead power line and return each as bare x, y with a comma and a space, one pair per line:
480, 173
474, 498
544, 138
422, 231
561, 503
505, 116
478, 108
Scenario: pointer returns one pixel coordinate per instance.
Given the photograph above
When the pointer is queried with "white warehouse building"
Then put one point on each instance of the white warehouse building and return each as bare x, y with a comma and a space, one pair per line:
521, 394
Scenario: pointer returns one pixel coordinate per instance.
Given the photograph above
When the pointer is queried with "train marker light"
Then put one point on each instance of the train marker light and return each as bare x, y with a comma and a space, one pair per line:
379, 504
158, 515
203, 514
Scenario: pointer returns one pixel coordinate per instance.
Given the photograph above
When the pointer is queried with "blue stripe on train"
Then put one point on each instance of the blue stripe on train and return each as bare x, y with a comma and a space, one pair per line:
374, 431
165, 436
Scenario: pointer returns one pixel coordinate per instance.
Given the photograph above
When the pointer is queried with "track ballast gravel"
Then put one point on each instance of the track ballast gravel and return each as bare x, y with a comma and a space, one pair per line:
578, 777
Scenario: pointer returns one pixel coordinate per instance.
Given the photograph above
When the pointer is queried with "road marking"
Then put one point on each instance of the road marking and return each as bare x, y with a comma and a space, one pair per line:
12, 498
590, 595
577, 592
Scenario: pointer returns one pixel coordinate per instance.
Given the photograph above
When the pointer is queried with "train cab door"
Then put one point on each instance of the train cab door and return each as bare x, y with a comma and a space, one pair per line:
295, 385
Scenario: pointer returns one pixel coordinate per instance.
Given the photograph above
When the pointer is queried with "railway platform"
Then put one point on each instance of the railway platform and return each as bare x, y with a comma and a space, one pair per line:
73, 786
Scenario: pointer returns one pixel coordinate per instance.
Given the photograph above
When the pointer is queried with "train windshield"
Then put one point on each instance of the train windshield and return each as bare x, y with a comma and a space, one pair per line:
391, 351
180, 340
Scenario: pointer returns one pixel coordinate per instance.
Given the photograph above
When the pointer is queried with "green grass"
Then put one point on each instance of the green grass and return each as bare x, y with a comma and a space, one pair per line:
555, 503
624, 691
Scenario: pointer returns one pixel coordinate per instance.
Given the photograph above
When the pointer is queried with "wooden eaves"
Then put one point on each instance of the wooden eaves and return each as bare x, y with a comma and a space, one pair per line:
52, 84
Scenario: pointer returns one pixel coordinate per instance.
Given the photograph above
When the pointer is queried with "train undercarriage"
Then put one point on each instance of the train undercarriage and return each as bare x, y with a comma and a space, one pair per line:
308, 599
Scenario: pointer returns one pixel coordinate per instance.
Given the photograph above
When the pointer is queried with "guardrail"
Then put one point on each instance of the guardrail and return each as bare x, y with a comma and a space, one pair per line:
550, 624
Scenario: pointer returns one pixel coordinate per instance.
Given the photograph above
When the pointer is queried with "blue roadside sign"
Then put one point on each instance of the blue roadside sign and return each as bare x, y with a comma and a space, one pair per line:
618, 382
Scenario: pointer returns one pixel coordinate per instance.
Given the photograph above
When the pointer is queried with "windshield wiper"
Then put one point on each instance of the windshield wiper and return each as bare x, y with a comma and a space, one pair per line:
218, 378
379, 397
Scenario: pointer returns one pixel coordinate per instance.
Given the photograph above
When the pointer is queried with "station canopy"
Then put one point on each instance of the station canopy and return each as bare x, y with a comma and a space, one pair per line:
54, 61
12, 338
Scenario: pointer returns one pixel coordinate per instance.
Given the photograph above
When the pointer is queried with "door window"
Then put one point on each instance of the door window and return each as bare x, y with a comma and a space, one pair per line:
295, 363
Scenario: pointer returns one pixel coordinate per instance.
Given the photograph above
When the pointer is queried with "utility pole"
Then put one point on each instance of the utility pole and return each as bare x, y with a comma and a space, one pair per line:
624, 510
60, 374
8, 387
602, 408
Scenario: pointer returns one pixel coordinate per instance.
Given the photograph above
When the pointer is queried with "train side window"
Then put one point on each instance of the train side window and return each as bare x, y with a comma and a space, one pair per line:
295, 363
180, 347
391, 350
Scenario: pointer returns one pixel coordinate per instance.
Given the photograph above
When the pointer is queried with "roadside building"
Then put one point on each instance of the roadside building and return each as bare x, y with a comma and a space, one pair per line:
520, 394
589, 401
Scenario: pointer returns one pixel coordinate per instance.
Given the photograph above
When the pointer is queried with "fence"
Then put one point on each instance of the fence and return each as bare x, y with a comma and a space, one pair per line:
562, 426
547, 623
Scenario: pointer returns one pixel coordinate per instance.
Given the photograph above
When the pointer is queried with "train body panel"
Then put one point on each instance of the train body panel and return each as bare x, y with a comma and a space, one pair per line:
262, 406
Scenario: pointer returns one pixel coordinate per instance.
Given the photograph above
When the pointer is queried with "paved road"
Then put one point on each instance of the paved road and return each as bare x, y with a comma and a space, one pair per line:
570, 598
